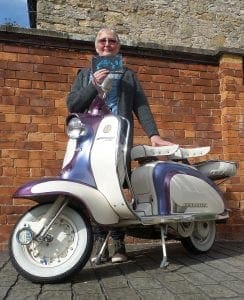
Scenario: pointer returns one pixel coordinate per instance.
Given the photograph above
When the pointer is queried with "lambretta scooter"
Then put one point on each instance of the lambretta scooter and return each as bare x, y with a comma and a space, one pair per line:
167, 195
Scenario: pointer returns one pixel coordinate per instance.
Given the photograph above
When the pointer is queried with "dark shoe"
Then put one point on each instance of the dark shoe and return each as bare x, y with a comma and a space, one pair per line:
119, 257
119, 252
97, 248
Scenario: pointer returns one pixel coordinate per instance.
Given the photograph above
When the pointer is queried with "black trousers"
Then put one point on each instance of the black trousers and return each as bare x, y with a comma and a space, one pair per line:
101, 232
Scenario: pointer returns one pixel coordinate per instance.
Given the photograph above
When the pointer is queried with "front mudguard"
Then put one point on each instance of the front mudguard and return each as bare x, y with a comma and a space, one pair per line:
95, 203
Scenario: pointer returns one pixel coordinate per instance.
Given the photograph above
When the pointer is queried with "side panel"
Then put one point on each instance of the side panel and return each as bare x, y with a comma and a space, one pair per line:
183, 189
190, 194
165, 188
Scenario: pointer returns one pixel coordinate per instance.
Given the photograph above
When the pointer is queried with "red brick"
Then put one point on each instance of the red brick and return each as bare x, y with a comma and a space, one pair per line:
16, 49
29, 110
3, 219
46, 69
35, 59
5, 232
26, 84
6, 56
38, 85
11, 82
23, 203
20, 66
28, 75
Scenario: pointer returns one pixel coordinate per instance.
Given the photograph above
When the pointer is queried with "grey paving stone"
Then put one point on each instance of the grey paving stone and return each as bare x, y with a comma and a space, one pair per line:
56, 295
57, 287
9, 270
197, 278
107, 270
3, 291
7, 281
182, 287
114, 282
123, 294
24, 284
157, 294
213, 273
193, 297
132, 269
29, 294
89, 297
237, 285
239, 275
87, 274
235, 262
138, 274
164, 277
218, 291
87, 288
223, 266
4, 256
141, 283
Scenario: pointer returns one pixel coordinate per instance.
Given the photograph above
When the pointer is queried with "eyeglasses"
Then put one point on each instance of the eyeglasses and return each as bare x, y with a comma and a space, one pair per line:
109, 40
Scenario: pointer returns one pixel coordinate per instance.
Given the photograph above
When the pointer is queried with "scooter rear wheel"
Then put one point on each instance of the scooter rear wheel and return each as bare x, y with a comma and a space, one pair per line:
202, 238
67, 250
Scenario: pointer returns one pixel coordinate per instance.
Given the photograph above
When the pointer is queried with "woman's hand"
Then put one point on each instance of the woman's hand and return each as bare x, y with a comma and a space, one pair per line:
157, 141
99, 76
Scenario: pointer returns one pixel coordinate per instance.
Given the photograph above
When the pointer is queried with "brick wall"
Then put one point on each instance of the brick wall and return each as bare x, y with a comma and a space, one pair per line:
194, 104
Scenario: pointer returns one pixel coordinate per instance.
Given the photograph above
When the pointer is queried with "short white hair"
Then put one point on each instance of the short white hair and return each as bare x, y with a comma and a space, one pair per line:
106, 29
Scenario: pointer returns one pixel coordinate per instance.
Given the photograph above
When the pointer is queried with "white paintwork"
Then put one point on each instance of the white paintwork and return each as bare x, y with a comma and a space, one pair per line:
142, 182
104, 163
69, 153
93, 199
195, 195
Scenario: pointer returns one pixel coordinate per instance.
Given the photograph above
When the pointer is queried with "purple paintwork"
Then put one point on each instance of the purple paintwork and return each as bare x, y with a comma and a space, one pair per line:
162, 174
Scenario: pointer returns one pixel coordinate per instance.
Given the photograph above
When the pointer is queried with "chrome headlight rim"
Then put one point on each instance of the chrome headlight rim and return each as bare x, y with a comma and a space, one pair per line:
75, 128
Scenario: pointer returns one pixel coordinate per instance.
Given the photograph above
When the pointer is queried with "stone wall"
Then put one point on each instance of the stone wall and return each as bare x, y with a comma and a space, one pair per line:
189, 23
197, 100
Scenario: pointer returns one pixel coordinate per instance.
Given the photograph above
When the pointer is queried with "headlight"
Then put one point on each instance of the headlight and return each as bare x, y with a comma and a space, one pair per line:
75, 128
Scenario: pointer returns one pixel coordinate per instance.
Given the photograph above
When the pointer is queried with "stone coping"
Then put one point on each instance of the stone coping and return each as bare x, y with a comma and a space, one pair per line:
63, 40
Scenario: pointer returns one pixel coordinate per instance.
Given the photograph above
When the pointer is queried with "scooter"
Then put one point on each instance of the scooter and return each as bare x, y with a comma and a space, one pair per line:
166, 195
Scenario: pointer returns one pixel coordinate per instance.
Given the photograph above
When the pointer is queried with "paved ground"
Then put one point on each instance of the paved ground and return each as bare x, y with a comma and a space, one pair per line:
217, 275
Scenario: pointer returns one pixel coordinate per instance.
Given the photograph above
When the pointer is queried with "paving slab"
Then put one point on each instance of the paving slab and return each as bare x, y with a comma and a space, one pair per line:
218, 274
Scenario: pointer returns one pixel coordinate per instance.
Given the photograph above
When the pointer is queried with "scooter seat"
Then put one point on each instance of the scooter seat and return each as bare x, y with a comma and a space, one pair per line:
217, 169
184, 153
144, 151
174, 152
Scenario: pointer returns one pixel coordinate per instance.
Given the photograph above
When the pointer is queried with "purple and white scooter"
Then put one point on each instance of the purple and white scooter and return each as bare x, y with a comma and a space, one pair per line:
54, 239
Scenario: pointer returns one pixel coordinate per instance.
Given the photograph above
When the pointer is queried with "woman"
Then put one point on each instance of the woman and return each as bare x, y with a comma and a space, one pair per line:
125, 97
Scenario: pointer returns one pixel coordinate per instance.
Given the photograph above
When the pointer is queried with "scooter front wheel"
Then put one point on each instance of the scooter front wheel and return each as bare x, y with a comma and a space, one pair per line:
202, 238
67, 249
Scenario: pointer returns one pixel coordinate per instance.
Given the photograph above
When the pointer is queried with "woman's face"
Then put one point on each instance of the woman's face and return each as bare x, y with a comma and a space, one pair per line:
107, 43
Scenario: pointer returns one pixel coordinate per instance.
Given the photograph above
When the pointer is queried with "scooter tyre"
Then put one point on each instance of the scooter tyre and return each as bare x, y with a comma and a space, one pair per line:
72, 237
202, 238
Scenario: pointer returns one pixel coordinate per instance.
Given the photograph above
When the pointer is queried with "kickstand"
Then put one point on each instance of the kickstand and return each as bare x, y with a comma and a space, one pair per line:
164, 262
99, 256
